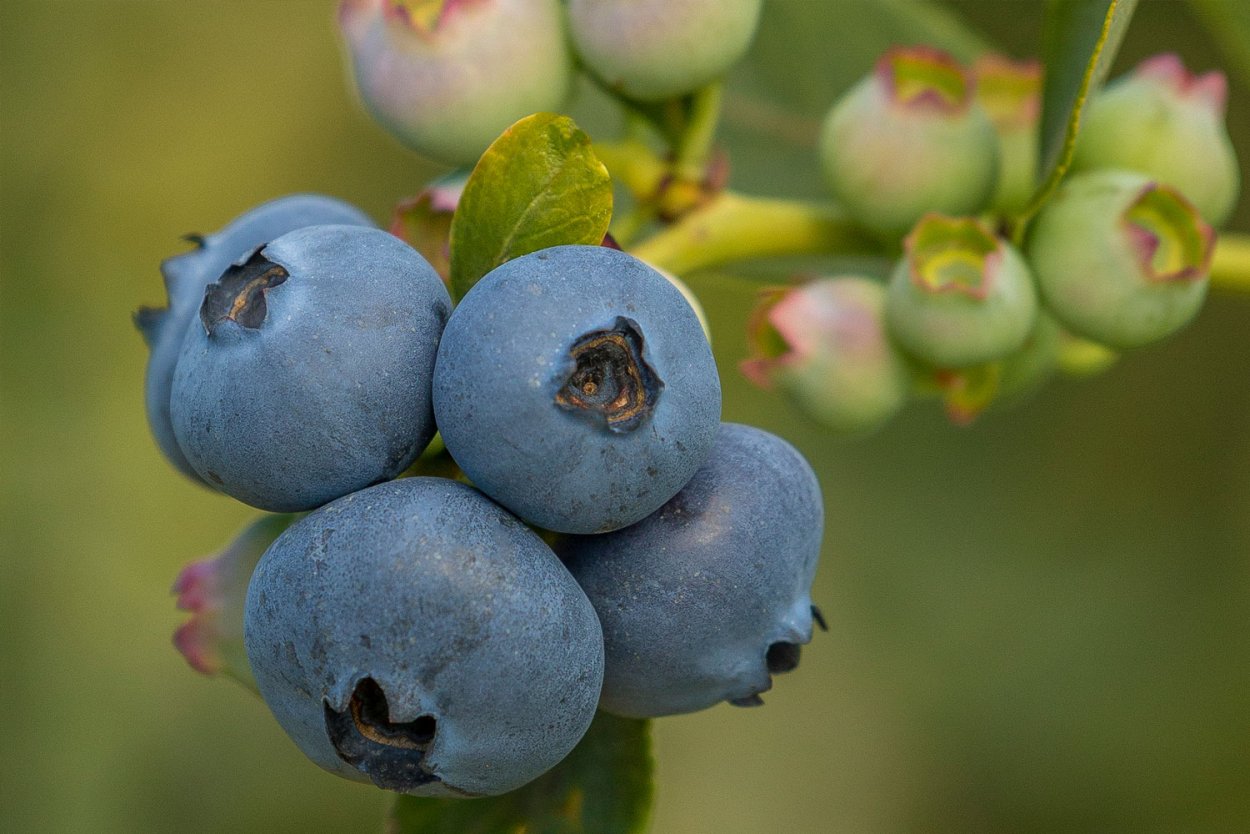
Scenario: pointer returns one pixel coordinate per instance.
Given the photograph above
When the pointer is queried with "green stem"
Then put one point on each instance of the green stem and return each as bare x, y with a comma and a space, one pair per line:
695, 146
733, 227
629, 225
1230, 270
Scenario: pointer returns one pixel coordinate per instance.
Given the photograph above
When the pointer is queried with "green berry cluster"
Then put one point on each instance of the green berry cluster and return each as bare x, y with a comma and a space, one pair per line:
940, 162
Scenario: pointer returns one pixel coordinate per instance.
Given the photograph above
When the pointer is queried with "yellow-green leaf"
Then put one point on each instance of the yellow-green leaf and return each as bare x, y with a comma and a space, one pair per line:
538, 185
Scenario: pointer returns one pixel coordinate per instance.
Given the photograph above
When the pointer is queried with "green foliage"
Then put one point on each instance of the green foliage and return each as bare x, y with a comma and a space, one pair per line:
1228, 22
1079, 43
603, 787
538, 185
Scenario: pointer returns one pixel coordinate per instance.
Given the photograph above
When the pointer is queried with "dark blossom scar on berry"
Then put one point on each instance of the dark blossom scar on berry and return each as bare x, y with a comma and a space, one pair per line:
611, 383
392, 754
239, 294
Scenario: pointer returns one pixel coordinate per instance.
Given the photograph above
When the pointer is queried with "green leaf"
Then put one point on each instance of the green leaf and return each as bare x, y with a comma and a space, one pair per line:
1228, 22
1079, 42
602, 787
538, 185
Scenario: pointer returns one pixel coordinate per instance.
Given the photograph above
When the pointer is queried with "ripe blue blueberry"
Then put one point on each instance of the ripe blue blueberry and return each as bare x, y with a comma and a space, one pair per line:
576, 387
188, 274
416, 635
306, 374
706, 598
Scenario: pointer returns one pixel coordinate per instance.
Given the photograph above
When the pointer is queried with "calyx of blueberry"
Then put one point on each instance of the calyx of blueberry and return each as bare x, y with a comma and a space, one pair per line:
392, 754
239, 294
611, 383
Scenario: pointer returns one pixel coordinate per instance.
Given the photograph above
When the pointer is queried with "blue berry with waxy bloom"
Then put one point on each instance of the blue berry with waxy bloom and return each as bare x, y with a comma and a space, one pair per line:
652, 50
1168, 124
188, 274
418, 636
960, 295
1119, 258
909, 139
825, 346
448, 77
576, 387
306, 374
708, 597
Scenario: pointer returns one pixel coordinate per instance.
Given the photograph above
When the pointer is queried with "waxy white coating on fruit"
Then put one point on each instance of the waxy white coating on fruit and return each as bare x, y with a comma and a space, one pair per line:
417, 635
709, 596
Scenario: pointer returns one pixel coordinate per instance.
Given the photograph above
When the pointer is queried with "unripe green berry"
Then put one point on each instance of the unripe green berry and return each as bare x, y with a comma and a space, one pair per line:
651, 50
824, 345
1011, 91
1169, 125
960, 295
448, 76
1024, 371
1119, 258
907, 140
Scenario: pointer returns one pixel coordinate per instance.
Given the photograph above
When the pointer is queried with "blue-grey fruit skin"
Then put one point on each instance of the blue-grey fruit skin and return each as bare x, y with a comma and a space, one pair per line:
506, 361
701, 599
187, 275
330, 393
459, 614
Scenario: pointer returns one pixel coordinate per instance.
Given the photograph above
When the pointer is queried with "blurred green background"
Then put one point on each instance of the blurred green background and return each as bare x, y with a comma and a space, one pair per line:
1037, 624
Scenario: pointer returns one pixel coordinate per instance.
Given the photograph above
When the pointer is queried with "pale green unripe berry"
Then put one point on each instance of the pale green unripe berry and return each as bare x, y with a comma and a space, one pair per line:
908, 140
1036, 361
1119, 258
652, 50
1168, 124
960, 296
448, 76
1011, 92
824, 345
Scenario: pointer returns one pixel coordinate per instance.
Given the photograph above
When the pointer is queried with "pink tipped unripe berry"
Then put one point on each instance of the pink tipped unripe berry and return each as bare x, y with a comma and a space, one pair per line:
1168, 124
447, 78
653, 50
960, 296
1119, 258
824, 345
1011, 92
908, 140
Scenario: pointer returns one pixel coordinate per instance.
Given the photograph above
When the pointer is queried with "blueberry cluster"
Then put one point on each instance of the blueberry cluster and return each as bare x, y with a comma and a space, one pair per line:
991, 291
419, 632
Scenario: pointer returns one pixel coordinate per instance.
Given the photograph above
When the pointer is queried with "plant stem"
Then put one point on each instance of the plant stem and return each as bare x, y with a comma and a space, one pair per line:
692, 151
1231, 268
732, 227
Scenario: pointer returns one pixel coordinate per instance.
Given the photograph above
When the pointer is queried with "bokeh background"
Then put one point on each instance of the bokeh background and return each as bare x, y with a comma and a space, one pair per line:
1037, 624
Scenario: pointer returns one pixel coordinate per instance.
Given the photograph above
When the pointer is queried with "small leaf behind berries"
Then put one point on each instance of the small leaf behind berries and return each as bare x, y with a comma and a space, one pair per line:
1079, 41
538, 185
602, 787
424, 221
